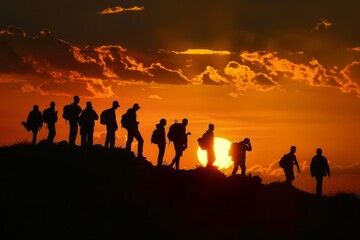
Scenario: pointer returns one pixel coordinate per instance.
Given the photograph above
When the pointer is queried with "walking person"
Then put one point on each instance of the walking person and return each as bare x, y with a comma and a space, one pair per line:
87, 122
71, 113
50, 117
206, 142
108, 118
178, 135
319, 167
159, 138
34, 122
287, 162
238, 153
130, 123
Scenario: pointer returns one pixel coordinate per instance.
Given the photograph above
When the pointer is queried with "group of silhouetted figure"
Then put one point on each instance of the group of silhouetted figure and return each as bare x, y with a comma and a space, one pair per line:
85, 119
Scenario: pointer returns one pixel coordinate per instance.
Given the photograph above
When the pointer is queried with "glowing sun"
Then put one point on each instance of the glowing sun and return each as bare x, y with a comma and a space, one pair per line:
223, 160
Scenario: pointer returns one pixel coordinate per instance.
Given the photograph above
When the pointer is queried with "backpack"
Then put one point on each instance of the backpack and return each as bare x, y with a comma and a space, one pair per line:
283, 161
104, 117
67, 112
155, 136
125, 120
174, 131
203, 142
47, 116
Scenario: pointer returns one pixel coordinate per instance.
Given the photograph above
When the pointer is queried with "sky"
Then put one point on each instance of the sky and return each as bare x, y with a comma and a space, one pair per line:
280, 72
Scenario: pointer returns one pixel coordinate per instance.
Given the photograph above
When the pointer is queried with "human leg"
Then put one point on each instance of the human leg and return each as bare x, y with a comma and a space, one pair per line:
319, 181
140, 141
130, 139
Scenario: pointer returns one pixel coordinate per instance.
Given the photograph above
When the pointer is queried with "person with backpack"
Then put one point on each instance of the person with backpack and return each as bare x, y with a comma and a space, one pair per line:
108, 118
87, 122
158, 137
319, 167
71, 113
34, 122
50, 118
206, 142
287, 162
130, 123
178, 135
238, 153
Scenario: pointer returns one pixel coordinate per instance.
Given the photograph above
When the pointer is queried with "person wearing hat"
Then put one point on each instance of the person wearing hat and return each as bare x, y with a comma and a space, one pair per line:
111, 125
133, 130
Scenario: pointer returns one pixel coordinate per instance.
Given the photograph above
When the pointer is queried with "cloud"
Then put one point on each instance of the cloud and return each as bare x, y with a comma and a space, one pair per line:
355, 49
157, 97
200, 52
118, 9
210, 76
93, 70
276, 69
323, 23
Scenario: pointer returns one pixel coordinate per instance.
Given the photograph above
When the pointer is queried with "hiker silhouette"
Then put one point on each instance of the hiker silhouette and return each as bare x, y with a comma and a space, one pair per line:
208, 141
108, 117
71, 113
319, 167
159, 138
87, 120
238, 153
34, 122
180, 142
50, 117
287, 162
132, 127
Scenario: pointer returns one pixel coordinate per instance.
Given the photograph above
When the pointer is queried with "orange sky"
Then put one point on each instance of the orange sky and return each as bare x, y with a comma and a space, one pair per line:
280, 79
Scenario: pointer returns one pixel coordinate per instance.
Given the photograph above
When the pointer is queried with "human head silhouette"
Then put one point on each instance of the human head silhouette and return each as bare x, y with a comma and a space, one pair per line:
88, 105
185, 122
52, 104
319, 151
211, 127
136, 106
36, 108
163, 122
293, 149
246, 140
115, 104
76, 99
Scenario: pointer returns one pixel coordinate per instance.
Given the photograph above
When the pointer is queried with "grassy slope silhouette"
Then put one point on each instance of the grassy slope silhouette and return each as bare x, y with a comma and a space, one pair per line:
54, 191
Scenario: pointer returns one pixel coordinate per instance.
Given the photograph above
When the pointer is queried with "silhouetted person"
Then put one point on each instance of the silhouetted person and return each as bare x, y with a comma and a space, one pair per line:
111, 125
287, 162
161, 141
238, 153
50, 117
87, 122
34, 122
133, 131
180, 143
208, 137
73, 117
319, 168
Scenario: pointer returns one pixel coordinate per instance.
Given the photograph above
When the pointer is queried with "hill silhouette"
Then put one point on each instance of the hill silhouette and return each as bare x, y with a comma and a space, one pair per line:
57, 191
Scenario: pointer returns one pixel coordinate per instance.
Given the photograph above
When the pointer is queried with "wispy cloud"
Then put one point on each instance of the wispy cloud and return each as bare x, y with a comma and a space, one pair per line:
323, 23
355, 49
118, 9
200, 52
157, 97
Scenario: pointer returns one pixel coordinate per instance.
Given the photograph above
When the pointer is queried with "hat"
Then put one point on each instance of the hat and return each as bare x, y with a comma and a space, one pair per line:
116, 104
136, 106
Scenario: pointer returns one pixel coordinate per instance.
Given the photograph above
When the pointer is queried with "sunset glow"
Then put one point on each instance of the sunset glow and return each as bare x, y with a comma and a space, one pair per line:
223, 160
254, 69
